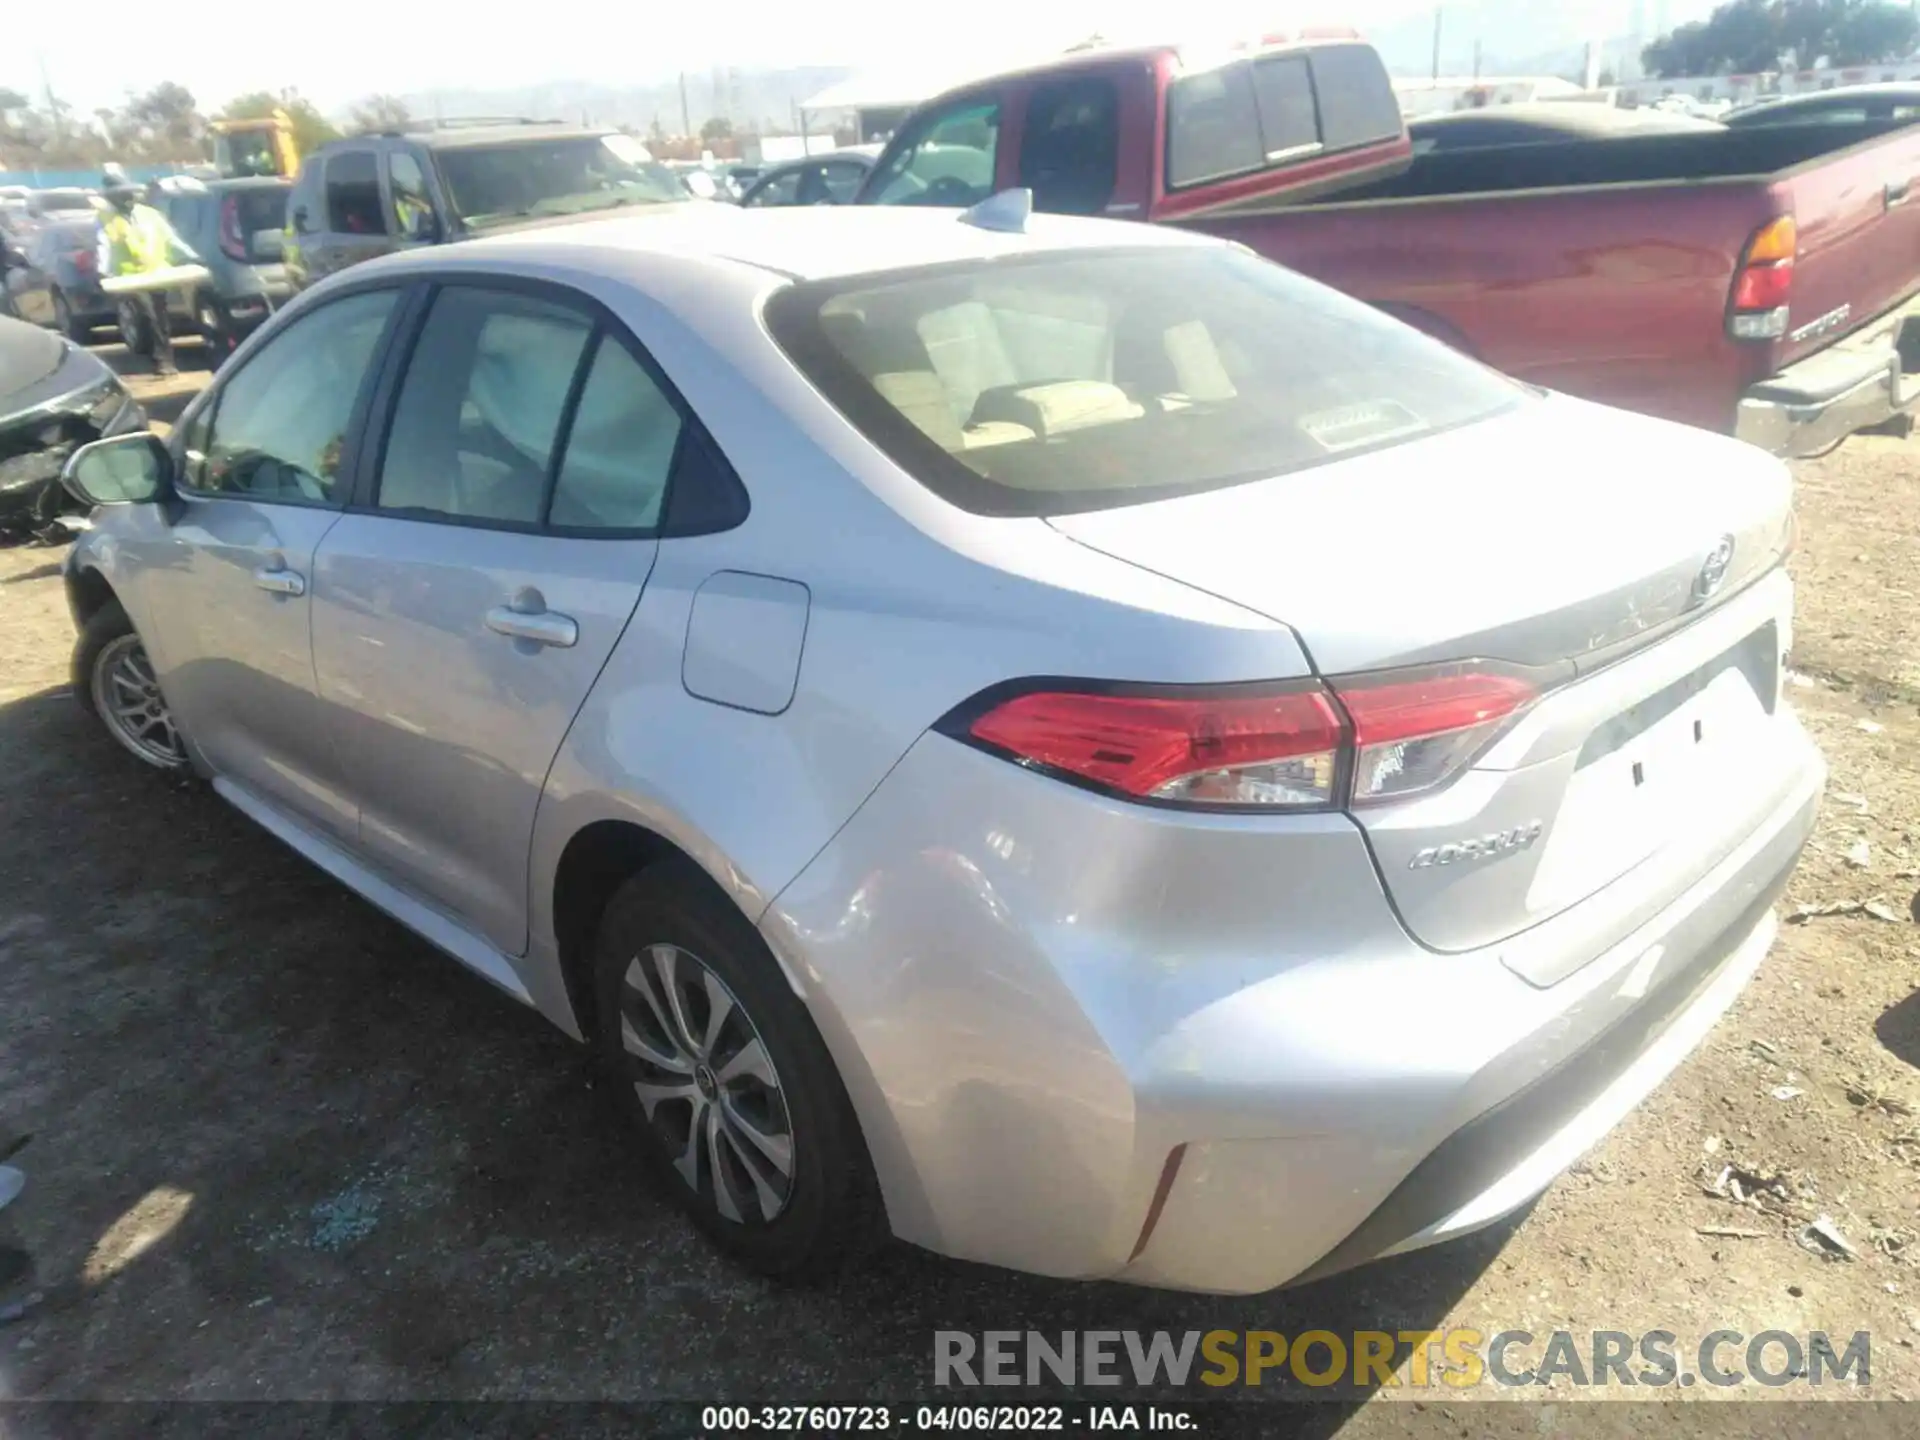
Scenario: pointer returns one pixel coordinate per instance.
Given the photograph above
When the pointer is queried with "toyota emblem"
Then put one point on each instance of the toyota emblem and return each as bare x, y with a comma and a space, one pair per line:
1713, 573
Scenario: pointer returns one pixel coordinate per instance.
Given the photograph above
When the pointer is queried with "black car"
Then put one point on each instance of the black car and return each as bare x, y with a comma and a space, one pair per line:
54, 279
1842, 105
831, 179
374, 194
54, 398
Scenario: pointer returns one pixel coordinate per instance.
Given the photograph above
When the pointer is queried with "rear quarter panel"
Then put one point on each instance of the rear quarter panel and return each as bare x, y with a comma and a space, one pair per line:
1616, 294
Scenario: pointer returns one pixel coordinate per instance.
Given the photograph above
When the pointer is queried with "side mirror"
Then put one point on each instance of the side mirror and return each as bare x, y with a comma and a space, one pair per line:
424, 227
126, 470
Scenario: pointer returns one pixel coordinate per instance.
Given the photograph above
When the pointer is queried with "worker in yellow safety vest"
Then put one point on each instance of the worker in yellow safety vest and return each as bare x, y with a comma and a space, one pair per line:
136, 239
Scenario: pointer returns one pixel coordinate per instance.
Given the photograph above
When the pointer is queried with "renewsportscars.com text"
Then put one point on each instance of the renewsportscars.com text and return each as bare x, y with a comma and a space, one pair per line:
1459, 1359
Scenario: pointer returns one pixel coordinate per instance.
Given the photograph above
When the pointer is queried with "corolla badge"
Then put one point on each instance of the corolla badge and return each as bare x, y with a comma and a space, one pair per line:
1713, 572
1486, 847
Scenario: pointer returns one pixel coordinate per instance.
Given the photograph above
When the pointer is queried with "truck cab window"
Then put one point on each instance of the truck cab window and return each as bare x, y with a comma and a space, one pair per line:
947, 159
1070, 146
353, 195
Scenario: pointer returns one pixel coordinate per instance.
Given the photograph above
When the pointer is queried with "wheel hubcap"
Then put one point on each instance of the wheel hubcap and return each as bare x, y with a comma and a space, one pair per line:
707, 1084
128, 698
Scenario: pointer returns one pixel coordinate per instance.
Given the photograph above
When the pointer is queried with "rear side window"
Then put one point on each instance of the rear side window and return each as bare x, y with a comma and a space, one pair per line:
353, 195
1250, 114
1213, 126
1357, 103
1070, 146
479, 414
1283, 94
947, 158
1088, 379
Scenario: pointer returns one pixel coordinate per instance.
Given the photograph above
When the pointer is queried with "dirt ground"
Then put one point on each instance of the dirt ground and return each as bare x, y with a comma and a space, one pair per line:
278, 1148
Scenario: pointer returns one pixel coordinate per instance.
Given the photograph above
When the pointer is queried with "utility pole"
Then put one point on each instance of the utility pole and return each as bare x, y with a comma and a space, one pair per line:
686, 113
1438, 12
1476, 58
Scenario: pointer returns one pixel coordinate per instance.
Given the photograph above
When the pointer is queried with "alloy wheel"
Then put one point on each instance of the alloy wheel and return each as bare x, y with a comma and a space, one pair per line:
126, 695
707, 1084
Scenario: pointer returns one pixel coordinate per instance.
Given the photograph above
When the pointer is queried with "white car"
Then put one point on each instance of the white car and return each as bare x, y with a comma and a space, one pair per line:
1055, 737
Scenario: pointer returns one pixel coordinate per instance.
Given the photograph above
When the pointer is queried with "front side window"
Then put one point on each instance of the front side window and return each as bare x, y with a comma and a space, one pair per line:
477, 423
947, 158
279, 426
1091, 379
1070, 146
353, 195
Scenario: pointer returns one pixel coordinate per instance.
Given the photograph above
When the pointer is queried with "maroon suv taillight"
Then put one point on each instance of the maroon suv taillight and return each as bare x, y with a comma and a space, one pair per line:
232, 243
1287, 747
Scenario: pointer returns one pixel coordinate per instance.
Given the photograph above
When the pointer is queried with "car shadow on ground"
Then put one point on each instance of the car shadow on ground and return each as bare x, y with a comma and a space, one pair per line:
1898, 1028
281, 1148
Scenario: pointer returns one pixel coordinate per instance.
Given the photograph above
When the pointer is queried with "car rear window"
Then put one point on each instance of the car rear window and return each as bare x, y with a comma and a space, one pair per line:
1085, 380
51, 202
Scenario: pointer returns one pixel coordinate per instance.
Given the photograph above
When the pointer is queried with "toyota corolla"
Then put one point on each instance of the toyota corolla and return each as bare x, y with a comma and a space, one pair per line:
1058, 740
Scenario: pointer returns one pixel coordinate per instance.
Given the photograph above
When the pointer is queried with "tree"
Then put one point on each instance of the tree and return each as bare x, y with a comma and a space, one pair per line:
311, 129
378, 114
716, 127
1746, 36
163, 124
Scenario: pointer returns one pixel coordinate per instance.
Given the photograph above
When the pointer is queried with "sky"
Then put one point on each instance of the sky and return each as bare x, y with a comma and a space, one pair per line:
341, 51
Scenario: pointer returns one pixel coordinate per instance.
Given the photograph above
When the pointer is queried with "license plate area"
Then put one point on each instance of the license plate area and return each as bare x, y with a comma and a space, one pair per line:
1683, 758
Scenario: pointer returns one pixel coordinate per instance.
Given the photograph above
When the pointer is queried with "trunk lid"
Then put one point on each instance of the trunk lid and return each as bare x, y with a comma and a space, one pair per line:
1562, 537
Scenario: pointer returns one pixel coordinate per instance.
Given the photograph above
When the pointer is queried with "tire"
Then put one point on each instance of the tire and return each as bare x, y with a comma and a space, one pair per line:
133, 329
107, 642
213, 330
828, 1213
64, 320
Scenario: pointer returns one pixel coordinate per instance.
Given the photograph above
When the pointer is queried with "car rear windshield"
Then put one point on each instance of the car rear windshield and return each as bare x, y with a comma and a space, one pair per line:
1084, 380
496, 184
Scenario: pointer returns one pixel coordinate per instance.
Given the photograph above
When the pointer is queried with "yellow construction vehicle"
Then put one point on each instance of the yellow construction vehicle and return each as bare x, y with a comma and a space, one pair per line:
262, 146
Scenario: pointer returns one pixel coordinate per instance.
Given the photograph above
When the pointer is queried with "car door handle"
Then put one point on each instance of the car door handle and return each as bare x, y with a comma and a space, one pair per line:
1898, 192
280, 582
542, 627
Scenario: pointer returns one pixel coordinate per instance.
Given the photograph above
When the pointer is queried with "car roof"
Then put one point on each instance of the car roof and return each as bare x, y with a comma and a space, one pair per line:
810, 242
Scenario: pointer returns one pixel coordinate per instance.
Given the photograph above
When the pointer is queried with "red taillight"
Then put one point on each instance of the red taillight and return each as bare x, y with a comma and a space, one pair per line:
85, 261
1293, 747
1413, 735
1763, 287
1279, 748
232, 244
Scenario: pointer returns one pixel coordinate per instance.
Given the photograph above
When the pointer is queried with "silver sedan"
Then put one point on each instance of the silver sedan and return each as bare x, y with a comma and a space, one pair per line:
1056, 739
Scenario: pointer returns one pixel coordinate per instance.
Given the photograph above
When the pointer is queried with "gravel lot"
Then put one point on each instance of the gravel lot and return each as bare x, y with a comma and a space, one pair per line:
280, 1149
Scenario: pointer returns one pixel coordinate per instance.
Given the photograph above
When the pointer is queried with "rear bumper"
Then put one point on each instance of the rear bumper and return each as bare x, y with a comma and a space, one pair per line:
1094, 1040
1858, 383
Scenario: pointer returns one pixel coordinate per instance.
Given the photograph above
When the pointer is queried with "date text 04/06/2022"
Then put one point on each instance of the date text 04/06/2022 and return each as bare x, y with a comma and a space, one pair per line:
991, 1419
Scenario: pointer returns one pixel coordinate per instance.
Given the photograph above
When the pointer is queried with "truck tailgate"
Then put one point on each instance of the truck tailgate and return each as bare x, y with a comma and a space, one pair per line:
1858, 216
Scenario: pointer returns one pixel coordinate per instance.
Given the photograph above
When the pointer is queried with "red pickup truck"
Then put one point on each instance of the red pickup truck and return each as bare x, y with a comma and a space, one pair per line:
1752, 281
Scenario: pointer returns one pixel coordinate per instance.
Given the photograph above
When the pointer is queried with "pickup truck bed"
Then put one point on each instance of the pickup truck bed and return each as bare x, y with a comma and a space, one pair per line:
1604, 267
1750, 281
